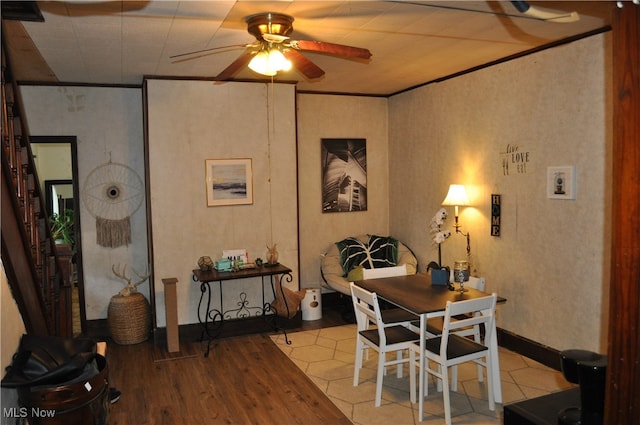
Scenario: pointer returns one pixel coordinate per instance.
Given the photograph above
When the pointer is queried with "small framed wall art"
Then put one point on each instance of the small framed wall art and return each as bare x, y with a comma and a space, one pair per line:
561, 182
229, 181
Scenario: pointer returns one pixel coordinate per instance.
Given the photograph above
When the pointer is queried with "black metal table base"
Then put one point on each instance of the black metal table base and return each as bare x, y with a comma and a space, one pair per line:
213, 319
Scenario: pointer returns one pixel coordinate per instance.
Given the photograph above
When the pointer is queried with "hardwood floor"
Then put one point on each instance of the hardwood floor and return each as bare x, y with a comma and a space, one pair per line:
245, 380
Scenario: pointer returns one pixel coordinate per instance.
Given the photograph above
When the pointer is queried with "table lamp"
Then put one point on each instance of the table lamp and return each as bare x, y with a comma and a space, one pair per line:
457, 197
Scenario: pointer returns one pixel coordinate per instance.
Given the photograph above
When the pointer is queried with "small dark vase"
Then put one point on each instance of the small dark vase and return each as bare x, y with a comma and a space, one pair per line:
440, 277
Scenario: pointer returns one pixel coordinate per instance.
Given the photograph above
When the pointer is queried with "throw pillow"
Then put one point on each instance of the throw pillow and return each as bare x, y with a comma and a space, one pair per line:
352, 253
356, 274
383, 251
287, 302
378, 251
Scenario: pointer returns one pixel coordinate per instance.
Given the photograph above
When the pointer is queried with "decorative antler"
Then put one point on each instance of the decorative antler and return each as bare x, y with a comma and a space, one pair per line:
130, 288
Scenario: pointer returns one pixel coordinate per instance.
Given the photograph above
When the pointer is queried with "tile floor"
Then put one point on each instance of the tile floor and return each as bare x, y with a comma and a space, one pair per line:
327, 356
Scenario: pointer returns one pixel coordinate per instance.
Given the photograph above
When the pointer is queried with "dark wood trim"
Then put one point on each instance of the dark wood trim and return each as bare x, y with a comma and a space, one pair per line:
622, 405
22, 11
48, 187
253, 325
510, 58
99, 329
332, 299
72, 84
470, 70
149, 216
72, 141
544, 354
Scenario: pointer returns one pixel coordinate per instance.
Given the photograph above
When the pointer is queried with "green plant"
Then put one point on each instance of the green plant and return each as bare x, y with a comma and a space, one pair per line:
62, 226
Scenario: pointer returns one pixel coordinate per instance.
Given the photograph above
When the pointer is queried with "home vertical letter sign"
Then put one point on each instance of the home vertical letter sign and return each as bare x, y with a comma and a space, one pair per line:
495, 214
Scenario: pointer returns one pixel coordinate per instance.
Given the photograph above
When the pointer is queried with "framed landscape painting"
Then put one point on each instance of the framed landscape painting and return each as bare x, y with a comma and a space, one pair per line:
229, 181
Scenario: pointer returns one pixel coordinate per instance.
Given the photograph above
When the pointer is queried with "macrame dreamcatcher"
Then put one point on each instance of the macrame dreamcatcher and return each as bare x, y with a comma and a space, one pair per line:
112, 193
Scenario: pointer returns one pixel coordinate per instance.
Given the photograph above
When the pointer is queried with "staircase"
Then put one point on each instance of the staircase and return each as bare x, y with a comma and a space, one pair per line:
29, 254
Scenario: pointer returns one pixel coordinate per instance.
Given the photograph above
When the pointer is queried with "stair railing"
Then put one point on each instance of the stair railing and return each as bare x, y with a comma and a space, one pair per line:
28, 249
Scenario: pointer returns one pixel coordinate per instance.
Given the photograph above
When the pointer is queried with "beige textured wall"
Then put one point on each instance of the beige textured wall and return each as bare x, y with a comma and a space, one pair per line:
327, 116
552, 260
189, 122
107, 122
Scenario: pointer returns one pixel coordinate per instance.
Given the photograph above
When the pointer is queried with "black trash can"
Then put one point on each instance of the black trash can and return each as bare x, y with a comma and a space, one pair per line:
59, 381
83, 401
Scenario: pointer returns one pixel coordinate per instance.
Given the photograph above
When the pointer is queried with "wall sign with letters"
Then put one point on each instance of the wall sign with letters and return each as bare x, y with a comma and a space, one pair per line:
495, 214
515, 160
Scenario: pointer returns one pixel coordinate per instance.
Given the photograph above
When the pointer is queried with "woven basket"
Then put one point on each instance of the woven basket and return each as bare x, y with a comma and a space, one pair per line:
129, 318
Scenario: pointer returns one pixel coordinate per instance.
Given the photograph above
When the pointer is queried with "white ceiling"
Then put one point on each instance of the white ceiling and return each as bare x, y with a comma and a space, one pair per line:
113, 42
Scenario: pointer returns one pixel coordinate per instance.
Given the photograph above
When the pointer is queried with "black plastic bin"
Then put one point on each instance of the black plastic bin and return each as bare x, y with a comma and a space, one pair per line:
83, 402
59, 381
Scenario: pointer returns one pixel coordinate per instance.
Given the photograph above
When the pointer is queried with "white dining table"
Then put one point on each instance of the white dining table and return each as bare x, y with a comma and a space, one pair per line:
415, 294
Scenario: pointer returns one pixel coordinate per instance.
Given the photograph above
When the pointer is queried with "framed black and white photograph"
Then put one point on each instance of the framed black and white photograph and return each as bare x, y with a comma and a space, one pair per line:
344, 175
561, 182
229, 181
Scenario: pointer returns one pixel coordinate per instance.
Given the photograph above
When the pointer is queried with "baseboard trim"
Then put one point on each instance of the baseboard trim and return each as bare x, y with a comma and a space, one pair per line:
99, 329
544, 354
332, 299
251, 325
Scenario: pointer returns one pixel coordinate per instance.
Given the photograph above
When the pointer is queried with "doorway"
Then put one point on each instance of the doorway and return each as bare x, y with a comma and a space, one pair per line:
56, 160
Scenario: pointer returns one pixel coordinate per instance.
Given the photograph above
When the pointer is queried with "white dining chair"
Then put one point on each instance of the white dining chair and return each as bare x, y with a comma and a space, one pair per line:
449, 349
391, 314
384, 338
434, 327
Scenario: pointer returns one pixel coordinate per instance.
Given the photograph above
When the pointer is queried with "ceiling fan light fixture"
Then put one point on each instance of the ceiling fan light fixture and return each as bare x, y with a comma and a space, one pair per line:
274, 51
269, 62
260, 62
278, 61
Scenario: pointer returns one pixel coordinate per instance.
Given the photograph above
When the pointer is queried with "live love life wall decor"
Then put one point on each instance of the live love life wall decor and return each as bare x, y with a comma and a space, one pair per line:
229, 181
561, 182
344, 175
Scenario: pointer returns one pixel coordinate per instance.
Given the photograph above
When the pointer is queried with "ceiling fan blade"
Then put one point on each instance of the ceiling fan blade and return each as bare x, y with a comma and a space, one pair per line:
230, 71
524, 7
304, 65
331, 48
209, 50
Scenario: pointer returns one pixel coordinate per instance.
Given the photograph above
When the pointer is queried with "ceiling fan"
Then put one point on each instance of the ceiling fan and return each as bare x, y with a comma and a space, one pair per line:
274, 51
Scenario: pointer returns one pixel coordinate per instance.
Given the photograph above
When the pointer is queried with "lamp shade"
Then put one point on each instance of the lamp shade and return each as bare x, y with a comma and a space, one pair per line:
277, 60
457, 196
269, 62
260, 64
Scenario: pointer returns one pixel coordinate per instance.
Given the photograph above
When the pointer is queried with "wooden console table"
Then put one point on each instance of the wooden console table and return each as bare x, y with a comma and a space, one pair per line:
212, 319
